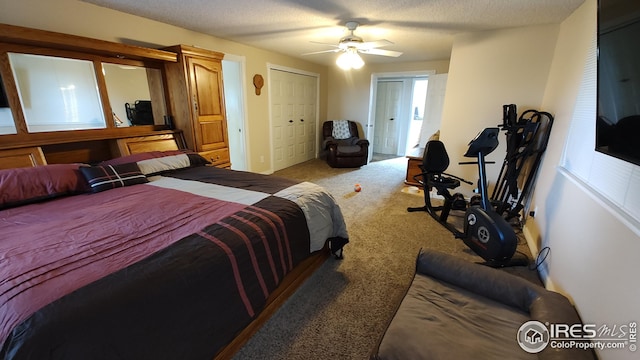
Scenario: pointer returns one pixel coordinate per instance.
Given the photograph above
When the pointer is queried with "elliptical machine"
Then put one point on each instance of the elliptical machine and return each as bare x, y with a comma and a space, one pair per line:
486, 232
527, 138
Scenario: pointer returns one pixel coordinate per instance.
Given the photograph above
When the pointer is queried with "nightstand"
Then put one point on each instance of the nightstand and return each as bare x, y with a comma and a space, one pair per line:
414, 160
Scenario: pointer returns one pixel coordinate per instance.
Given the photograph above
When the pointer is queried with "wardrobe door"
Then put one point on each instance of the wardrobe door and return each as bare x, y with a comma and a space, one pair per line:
197, 100
208, 104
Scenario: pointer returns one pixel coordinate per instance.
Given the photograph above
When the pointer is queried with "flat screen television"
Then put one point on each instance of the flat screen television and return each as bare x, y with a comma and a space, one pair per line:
618, 119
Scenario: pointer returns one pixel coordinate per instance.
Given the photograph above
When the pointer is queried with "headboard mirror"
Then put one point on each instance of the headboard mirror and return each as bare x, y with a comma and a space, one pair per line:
57, 93
7, 126
60, 93
63, 89
135, 94
67, 96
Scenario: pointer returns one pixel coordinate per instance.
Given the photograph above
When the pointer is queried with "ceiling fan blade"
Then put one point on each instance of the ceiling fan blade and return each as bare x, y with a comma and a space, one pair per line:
323, 43
322, 52
374, 44
381, 52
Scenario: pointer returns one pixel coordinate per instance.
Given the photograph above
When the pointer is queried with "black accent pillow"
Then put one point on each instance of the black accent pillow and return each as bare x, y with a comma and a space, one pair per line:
101, 178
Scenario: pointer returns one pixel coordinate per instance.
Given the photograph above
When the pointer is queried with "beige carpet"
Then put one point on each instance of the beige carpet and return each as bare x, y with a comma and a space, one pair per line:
342, 309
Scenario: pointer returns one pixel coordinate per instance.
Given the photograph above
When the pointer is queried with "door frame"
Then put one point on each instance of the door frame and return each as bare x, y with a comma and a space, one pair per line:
373, 97
271, 66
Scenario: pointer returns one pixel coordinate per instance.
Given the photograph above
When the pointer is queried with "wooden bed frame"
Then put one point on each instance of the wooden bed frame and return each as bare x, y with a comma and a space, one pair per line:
78, 152
89, 151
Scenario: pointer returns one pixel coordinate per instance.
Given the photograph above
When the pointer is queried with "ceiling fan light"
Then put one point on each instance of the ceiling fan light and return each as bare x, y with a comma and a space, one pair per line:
343, 61
350, 60
356, 61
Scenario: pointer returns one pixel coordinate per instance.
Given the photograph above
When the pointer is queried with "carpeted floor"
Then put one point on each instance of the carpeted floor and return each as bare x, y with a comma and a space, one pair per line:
342, 309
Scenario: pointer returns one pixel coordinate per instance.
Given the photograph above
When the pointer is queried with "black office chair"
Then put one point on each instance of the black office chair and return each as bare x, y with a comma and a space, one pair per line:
435, 161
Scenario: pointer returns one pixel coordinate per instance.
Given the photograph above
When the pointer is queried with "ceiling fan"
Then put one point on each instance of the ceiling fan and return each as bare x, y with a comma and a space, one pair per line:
350, 45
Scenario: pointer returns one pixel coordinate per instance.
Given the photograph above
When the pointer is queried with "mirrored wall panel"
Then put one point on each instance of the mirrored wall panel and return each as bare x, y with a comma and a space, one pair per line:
135, 94
56, 93
7, 126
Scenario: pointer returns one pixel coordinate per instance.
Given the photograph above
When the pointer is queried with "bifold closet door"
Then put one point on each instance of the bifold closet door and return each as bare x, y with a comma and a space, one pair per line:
293, 117
388, 110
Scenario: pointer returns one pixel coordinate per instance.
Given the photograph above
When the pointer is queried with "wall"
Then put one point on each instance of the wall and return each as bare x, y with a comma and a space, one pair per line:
487, 70
594, 250
79, 18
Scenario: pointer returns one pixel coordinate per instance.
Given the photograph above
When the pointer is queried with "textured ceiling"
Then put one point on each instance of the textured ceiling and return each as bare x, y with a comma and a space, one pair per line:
421, 29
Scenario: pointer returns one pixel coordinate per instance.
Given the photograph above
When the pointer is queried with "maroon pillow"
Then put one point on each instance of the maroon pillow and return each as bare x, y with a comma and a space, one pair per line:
32, 184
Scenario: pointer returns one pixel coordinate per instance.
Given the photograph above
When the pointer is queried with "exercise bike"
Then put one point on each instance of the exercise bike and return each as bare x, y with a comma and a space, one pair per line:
485, 231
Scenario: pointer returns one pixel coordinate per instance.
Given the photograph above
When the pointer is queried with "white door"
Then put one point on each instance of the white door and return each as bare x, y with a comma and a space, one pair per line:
305, 100
281, 119
433, 107
293, 117
234, 104
388, 107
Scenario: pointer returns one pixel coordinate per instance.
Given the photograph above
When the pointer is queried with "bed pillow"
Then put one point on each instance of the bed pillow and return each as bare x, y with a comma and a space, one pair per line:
157, 162
140, 156
28, 185
168, 163
101, 178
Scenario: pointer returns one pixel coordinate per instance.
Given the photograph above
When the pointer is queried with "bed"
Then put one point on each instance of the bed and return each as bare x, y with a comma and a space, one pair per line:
151, 256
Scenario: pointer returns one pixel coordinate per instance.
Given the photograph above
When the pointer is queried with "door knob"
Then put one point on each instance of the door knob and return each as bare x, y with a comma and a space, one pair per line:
290, 121
391, 119
302, 120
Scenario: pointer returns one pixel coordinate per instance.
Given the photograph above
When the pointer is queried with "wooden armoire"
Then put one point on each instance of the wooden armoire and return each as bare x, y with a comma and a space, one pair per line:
197, 100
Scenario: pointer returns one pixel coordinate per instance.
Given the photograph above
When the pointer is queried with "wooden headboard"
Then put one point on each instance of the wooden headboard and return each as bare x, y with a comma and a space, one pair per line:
140, 144
88, 152
22, 157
